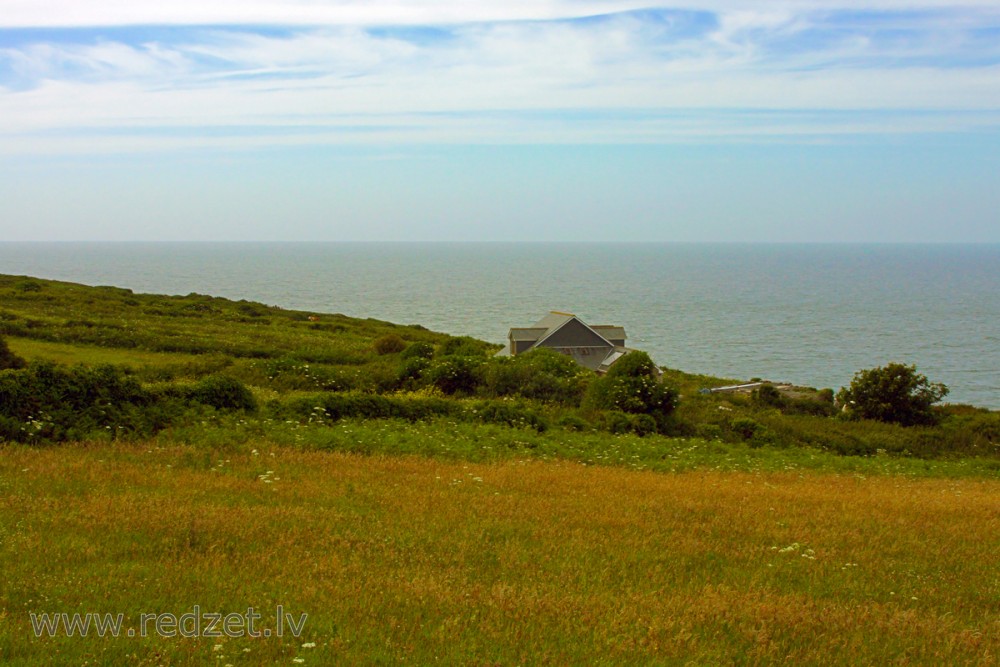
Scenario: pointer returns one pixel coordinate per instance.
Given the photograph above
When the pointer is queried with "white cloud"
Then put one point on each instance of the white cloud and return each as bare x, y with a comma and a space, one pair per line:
493, 81
37, 13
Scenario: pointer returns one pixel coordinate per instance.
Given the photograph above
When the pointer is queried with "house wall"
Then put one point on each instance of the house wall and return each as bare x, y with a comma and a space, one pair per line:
520, 346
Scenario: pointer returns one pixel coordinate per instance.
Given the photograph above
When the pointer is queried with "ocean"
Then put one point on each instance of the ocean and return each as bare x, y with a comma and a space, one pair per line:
808, 314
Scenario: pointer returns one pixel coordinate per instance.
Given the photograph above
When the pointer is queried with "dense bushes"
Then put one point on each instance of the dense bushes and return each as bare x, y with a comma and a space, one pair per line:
633, 386
223, 392
456, 374
333, 407
541, 374
389, 344
7, 358
45, 402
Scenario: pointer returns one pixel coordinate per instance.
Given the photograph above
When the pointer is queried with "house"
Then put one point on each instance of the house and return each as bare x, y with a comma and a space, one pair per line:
594, 346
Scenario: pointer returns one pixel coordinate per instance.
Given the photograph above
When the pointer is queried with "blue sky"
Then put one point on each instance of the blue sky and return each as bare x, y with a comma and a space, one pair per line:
599, 120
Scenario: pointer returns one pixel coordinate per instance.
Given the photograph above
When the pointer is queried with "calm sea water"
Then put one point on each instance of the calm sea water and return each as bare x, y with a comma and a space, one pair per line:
810, 314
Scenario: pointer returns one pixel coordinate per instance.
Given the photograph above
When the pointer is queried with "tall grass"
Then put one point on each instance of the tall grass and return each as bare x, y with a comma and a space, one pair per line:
516, 562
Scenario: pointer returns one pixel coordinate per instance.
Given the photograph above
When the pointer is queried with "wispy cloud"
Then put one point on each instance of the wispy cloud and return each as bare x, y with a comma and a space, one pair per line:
475, 71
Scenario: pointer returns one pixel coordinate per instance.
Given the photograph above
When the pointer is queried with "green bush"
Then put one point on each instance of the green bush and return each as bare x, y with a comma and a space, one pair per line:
643, 425
224, 393
767, 395
573, 423
411, 372
355, 405
465, 346
614, 421
509, 413
456, 375
418, 350
744, 427
541, 374
8, 359
632, 385
389, 344
45, 402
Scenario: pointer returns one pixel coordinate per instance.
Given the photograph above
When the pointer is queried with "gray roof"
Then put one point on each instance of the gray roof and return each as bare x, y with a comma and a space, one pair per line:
527, 333
553, 320
609, 331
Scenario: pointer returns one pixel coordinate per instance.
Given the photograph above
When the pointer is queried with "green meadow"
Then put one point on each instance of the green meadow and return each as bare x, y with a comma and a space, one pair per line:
422, 501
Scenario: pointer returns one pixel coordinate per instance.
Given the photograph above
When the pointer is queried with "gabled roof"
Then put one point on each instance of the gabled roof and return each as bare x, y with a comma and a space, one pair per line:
559, 320
527, 333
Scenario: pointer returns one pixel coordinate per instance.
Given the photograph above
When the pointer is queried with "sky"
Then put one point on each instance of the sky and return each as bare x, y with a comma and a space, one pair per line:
522, 120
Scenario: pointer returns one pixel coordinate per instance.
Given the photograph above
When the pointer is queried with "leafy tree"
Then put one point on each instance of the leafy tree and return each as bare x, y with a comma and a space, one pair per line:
7, 358
893, 393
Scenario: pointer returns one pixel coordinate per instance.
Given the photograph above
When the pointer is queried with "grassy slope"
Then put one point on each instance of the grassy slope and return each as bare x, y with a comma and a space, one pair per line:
476, 550
422, 560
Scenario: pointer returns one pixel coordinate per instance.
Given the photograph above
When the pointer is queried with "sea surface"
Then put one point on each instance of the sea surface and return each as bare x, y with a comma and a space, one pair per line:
808, 314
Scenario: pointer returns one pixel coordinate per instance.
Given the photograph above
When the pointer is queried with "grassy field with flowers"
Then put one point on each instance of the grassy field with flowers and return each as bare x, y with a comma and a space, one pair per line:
518, 561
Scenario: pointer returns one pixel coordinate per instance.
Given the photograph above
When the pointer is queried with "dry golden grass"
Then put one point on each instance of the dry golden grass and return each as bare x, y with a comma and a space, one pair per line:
512, 563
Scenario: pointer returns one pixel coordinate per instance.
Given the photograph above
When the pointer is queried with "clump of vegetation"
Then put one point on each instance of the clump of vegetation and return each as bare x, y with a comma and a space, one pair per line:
456, 374
46, 402
894, 393
224, 393
8, 359
633, 386
767, 395
390, 344
418, 350
540, 374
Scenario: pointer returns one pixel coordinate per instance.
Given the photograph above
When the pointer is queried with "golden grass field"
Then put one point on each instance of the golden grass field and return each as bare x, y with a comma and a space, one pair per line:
424, 561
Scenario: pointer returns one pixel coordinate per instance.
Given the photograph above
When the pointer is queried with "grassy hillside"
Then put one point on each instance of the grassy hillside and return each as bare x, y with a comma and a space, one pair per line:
314, 369
421, 502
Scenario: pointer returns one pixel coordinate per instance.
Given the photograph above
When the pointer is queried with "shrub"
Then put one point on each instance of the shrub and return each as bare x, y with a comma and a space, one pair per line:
44, 402
573, 423
8, 359
509, 413
454, 375
643, 425
767, 395
389, 344
540, 374
367, 406
28, 285
744, 427
633, 386
418, 350
465, 346
411, 372
614, 421
224, 393
894, 393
